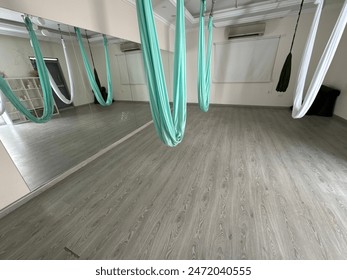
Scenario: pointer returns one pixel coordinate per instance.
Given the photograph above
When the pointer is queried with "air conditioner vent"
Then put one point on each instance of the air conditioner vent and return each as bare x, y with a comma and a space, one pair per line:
246, 30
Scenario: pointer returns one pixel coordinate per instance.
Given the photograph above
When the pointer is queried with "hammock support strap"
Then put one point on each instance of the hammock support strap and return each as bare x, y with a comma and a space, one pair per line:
284, 79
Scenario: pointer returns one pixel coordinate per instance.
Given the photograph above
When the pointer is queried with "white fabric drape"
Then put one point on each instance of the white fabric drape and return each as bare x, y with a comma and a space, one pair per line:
54, 85
301, 107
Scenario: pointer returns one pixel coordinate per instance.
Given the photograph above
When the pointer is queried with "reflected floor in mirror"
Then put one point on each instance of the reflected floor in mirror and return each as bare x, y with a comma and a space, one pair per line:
43, 151
245, 183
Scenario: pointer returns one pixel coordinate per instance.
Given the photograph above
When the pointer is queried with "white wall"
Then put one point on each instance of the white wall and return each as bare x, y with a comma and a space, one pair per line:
228, 93
113, 17
15, 52
262, 94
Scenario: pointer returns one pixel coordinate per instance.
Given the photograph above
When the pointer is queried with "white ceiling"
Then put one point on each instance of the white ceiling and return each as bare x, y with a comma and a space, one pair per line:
226, 12
231, 12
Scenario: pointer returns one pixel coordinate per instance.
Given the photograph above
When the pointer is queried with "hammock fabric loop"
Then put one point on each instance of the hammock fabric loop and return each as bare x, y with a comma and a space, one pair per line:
2, 104
69, 72
169, 127
204, 66
301, 106
91, 78
48, 106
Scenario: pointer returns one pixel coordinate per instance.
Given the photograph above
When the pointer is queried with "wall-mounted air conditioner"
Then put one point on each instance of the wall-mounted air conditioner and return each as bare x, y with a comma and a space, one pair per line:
130, 46
246, 30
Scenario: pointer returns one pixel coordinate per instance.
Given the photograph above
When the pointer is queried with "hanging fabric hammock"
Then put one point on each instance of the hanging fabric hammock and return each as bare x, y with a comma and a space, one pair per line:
2, 104
69, 72
287, 67
95, 72
204, 66
91, 78
48, 105
170, 128
301, 107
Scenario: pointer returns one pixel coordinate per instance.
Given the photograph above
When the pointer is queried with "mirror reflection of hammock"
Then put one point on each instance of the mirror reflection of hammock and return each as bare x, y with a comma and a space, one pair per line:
104, 98
48, 106
47, 82
71, 82
102, 90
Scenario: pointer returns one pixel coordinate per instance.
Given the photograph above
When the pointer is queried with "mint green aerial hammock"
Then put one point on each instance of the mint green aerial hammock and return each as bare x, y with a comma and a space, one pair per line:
204, 66
170, 127
48, 107
90, 74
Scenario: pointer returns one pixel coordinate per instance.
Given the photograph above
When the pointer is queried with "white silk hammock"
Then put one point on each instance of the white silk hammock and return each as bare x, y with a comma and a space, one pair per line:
301, 106
54, 85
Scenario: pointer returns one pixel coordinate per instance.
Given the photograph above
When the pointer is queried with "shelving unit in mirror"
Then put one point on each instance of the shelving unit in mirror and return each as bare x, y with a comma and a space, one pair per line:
29, 92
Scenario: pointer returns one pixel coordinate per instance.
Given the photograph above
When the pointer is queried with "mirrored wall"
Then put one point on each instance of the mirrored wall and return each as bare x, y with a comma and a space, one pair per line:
77, 131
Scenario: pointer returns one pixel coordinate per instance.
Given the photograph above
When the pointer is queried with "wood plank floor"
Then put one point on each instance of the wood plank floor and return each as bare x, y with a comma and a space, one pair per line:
43, 151
246, 183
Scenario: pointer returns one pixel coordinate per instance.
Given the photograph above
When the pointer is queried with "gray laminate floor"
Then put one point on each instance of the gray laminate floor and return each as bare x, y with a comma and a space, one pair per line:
246, 183
43, 151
